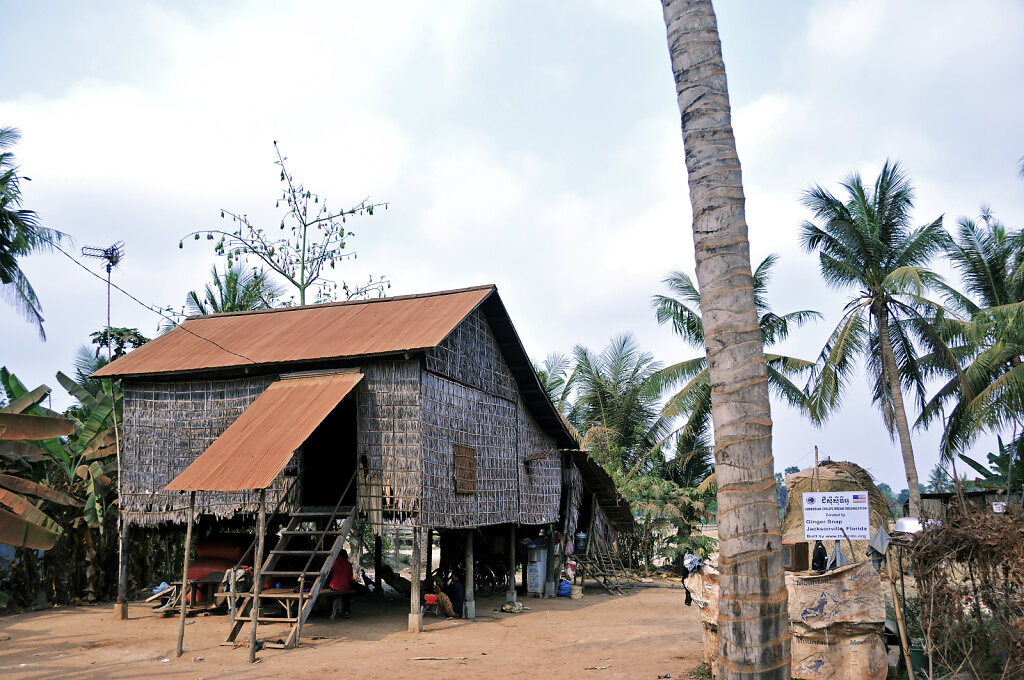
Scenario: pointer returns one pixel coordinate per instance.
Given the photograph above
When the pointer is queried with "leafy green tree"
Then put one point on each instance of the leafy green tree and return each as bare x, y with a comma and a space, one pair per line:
681, 309
867, 245
313, 239
20, 234
121, 340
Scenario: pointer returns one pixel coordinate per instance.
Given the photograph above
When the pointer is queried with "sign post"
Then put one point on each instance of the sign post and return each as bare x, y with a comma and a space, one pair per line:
827, 514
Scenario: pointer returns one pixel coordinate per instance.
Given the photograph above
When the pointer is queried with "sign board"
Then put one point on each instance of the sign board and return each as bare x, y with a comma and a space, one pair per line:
828, 513
999, 507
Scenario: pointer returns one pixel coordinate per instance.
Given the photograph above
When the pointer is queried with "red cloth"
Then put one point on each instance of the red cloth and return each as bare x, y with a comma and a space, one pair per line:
341, 575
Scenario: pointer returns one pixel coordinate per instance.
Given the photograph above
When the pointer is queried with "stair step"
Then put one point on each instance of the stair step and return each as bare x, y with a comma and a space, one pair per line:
300, 552
267, 594
312, 532
269, 619
277, 572
343, 512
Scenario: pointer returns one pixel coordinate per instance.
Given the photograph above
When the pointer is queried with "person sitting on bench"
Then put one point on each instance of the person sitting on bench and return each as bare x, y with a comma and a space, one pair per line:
341, 581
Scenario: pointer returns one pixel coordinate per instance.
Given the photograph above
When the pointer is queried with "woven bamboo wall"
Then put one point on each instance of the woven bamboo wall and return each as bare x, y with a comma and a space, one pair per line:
540, 479
471, 355
167, 426
389, 440
454, 413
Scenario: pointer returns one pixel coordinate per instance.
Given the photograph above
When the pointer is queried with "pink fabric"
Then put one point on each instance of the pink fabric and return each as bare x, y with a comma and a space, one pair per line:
341, 575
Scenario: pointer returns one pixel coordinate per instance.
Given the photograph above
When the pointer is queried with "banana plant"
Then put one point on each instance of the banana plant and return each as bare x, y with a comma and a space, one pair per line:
86, 458
22, 523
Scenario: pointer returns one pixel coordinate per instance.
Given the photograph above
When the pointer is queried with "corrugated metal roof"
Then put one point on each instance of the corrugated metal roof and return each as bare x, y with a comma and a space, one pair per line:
259, 444
282, 335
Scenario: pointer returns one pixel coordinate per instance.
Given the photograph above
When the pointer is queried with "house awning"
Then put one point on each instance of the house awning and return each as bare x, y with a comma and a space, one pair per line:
254, 450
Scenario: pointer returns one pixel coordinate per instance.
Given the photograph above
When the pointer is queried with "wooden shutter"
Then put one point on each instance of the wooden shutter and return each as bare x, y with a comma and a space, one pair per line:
465, 468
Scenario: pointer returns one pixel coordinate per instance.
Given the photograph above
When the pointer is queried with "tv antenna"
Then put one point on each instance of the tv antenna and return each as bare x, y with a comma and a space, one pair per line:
113, 255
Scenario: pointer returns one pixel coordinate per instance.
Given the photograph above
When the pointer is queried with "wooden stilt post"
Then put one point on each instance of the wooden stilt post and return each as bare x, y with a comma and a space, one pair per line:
429, 547
257, 585
549, 575
510, 595
184, 572
469, 607
378, 562
415, 614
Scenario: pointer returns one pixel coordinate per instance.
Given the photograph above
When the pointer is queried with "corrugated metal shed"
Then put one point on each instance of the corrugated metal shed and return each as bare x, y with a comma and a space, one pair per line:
292, 334
254, 450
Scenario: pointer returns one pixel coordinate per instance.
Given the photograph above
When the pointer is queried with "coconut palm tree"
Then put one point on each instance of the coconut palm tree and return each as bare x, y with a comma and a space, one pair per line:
616, 405
753, 624
681, 309
557, 376
238, 289
20, 234
867, 245
989, 394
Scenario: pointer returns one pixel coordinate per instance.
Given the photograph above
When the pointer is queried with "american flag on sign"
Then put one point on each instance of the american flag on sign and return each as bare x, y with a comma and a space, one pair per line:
860, 498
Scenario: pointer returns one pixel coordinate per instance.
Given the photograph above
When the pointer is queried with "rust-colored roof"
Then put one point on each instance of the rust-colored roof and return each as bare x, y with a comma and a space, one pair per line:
289, 334
251, 453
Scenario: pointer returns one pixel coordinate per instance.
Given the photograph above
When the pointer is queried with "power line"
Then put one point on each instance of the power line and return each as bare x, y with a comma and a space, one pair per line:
151, 308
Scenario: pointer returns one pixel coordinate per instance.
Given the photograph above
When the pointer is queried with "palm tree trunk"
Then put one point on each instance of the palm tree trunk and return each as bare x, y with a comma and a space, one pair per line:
753, 625
892, 377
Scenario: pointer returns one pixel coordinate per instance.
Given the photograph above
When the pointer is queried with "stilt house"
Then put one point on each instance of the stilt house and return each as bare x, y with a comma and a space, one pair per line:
429, 402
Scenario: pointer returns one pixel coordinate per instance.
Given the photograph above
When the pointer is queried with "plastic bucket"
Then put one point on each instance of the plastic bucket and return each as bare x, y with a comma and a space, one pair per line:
575, 592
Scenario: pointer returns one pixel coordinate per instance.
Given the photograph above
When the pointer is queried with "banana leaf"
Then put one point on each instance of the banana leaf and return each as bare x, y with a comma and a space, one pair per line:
19, 532
24, 486
97, 420
20, 426
102, 441
15, 451
84, 396
21, 506
27, 400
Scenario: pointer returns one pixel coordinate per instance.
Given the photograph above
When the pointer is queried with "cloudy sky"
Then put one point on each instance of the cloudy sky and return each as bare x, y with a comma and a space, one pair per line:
533, 145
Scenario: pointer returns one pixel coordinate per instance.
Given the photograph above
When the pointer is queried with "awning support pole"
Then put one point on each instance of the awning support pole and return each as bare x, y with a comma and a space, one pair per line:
257, 584
183, 593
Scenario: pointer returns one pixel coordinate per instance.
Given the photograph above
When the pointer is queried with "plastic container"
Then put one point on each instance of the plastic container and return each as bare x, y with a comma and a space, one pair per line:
581, 542
575, 592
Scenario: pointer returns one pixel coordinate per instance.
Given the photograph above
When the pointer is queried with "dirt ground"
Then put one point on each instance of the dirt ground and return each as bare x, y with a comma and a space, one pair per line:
646, 634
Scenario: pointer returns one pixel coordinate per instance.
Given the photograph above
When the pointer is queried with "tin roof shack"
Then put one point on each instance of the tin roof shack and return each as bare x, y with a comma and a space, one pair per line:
430, 401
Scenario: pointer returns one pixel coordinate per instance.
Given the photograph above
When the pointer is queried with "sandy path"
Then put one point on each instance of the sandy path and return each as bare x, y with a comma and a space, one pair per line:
642, 635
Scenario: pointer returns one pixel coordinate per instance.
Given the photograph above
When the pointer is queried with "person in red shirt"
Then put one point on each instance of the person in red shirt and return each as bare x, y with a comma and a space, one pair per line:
341, 581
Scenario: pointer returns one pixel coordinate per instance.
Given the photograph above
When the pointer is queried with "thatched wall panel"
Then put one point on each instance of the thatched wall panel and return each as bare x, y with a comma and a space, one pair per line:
540, 479
390, 479
454, 413
167, 426
471, 355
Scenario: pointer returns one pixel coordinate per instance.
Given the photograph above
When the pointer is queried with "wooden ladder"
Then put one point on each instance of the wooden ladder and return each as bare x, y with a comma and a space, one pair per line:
297, 603
606, 569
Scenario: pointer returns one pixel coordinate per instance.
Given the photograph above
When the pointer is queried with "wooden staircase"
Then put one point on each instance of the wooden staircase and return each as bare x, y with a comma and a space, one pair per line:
606, 568
311, 533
